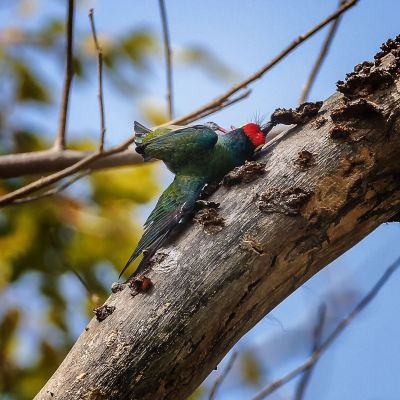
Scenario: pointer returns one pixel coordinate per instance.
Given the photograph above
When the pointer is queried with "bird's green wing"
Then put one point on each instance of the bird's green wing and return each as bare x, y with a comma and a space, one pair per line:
173, 207
143, 134
180, 145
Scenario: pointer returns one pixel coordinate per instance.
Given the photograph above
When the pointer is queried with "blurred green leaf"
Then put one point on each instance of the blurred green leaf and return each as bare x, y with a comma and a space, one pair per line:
8, 327
28, 85
78, 67
51, 32
154, 112
197, 394
137, 45
205, 59
26, 141
126, 183
251, 369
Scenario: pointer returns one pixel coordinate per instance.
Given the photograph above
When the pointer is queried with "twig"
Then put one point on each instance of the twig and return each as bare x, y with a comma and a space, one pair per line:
320, 59
225, 105
222, 376
81, 280
100, 80
221, 100
50, 179
53, 191
337, 331
168, 58
59, 143
316, 344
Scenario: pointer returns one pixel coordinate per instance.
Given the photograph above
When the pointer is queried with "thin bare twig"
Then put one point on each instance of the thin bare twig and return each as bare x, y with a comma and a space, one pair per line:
222, 376
331, 338
50, 179
168, 58
321, 57
301, 388
221, 100
100, 80
59, 143
225, 105
53, 191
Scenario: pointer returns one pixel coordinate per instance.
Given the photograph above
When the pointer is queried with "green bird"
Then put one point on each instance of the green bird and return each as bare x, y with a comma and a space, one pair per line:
198, 155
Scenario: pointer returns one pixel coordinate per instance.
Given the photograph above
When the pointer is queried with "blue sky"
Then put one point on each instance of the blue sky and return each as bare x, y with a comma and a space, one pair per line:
363, 363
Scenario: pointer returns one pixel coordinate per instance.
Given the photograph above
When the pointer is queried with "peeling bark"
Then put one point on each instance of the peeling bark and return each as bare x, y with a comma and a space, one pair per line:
209, 290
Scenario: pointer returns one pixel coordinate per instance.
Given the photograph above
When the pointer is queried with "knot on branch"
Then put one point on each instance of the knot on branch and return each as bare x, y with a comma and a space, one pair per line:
141, 284
360, 108
103, 312
209, 218
246, 173
305, 160
368, 77
288, 202
299, 116
347, 116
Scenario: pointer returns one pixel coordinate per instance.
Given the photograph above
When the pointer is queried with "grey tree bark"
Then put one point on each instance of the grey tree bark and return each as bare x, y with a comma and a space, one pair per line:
328, 183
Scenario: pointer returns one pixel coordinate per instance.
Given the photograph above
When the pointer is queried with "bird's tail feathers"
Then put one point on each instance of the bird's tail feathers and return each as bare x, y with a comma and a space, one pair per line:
140, 132
173, 207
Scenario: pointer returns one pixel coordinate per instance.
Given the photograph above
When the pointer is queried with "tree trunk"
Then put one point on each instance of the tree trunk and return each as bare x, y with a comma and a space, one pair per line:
328, 183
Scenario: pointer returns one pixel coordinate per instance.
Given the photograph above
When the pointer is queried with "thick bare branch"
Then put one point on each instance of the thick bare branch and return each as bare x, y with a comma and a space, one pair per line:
321, 57
59, 143
50, 179
332, 337
41, 162
100, 80
168, 58
221, 100
330, 182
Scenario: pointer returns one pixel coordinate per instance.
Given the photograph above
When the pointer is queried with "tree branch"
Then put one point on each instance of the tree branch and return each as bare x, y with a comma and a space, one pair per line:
321, 57
301, 388
221, 100
222, 376
331, 338
59, 143
330, 182
225, 105
50, 179
168, 58
40, 162
53, 191
100, 80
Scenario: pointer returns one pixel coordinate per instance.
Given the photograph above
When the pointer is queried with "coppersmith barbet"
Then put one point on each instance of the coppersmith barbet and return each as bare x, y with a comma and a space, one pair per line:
198, 155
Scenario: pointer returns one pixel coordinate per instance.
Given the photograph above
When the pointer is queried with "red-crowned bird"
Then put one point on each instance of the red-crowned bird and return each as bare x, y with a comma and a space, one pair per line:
198, 155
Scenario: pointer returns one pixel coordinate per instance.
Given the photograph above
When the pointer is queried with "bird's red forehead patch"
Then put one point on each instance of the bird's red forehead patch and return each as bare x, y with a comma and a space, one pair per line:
254, 133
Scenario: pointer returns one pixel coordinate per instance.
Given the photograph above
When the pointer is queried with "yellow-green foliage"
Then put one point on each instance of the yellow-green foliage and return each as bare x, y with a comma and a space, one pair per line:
82, 236
65, 236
